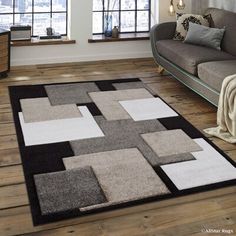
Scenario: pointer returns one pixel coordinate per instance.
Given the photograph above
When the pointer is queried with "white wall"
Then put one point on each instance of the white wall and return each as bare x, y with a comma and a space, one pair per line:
164, 7
199, 6
81, 30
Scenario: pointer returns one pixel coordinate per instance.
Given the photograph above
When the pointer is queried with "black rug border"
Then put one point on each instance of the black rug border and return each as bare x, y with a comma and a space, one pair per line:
106, 85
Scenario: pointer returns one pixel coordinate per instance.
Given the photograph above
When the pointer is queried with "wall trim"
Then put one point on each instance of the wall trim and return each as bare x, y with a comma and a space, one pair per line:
83, 58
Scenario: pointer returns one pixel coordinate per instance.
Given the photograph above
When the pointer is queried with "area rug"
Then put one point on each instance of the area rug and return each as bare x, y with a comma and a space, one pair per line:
90, 147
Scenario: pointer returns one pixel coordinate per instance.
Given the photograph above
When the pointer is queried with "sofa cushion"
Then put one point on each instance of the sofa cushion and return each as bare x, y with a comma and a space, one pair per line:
188, 56
227, 19
204, 36
183, 21
213, 73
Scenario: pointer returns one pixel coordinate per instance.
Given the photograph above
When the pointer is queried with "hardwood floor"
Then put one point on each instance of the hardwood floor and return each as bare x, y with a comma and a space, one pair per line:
188, 215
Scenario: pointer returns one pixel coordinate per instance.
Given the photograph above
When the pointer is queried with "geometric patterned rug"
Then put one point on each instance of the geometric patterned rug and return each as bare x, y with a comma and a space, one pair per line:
89, 147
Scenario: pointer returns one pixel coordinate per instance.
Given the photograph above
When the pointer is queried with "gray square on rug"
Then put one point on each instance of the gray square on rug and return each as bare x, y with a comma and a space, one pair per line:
132, 85
108, 102
68, 190
124, 175
120, 134
40, 109
70, 93
170, 142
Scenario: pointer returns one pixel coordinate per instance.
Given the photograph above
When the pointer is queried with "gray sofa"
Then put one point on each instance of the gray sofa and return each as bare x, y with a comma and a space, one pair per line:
200, 68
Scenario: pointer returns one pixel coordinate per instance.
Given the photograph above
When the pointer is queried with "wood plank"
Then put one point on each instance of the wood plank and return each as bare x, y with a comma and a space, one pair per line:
5, 117
13, 196
8, 142
5, 108
232, 154
11, 175
7, 129
9, 157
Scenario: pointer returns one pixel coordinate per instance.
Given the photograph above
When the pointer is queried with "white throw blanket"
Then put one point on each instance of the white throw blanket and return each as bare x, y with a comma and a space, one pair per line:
226, 115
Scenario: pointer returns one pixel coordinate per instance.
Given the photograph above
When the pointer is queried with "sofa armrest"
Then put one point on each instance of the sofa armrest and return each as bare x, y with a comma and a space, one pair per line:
160, 32
163, 31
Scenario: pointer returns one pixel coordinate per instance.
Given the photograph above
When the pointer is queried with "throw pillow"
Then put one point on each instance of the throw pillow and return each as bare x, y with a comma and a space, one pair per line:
183, 24
205, 36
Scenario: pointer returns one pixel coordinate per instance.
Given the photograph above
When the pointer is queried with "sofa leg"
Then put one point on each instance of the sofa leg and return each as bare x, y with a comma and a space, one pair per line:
161, 70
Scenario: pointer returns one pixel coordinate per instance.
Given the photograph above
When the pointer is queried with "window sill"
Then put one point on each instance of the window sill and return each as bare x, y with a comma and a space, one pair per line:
36, 42
122, 37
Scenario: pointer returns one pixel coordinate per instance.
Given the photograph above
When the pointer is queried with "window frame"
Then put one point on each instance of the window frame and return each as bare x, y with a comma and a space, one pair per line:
32, 13
103, 11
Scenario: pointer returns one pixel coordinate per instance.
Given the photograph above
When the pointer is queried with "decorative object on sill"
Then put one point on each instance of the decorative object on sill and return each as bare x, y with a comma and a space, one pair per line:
180, 6
115, 32
108, 25
49, 31
4, 52
108, 18
20, 32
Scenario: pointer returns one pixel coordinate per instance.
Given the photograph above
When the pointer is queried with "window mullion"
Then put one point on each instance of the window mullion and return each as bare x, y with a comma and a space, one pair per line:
119, 14
14, 5
149, 15
67, 18
51, 13
32, 26
136, 13
103, 15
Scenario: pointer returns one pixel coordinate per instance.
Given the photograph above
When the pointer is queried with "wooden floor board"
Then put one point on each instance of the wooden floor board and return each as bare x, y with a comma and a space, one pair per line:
187, 215
9, 157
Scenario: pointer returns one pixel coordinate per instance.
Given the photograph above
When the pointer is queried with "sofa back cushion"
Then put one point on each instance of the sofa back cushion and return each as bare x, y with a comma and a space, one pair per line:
227, 19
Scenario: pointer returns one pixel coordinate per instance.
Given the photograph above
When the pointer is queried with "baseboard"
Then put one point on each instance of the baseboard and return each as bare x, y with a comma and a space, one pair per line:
83, 58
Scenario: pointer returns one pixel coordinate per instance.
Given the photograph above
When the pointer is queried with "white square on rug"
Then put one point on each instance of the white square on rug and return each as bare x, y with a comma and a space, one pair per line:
210, 167
55, 131
147, 109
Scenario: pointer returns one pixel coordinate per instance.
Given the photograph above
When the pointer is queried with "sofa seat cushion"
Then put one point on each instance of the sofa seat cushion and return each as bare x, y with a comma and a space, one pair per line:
213, 73
188, 56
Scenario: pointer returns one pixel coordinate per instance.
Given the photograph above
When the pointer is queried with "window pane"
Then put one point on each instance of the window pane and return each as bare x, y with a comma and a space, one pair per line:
97, 22
6, 21
23, 19
142, 4
115, 18
97, 5
23, 6
59, 22
127, 10
58, 5
127, 5
42, 6
6, 6
127, 21
41, 22
142, 21
114, 5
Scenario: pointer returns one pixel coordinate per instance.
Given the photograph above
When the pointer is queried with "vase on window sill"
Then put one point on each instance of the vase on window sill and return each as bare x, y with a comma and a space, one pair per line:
108, 25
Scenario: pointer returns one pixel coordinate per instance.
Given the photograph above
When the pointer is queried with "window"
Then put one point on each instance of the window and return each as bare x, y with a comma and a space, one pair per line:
40, 14
129, 15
